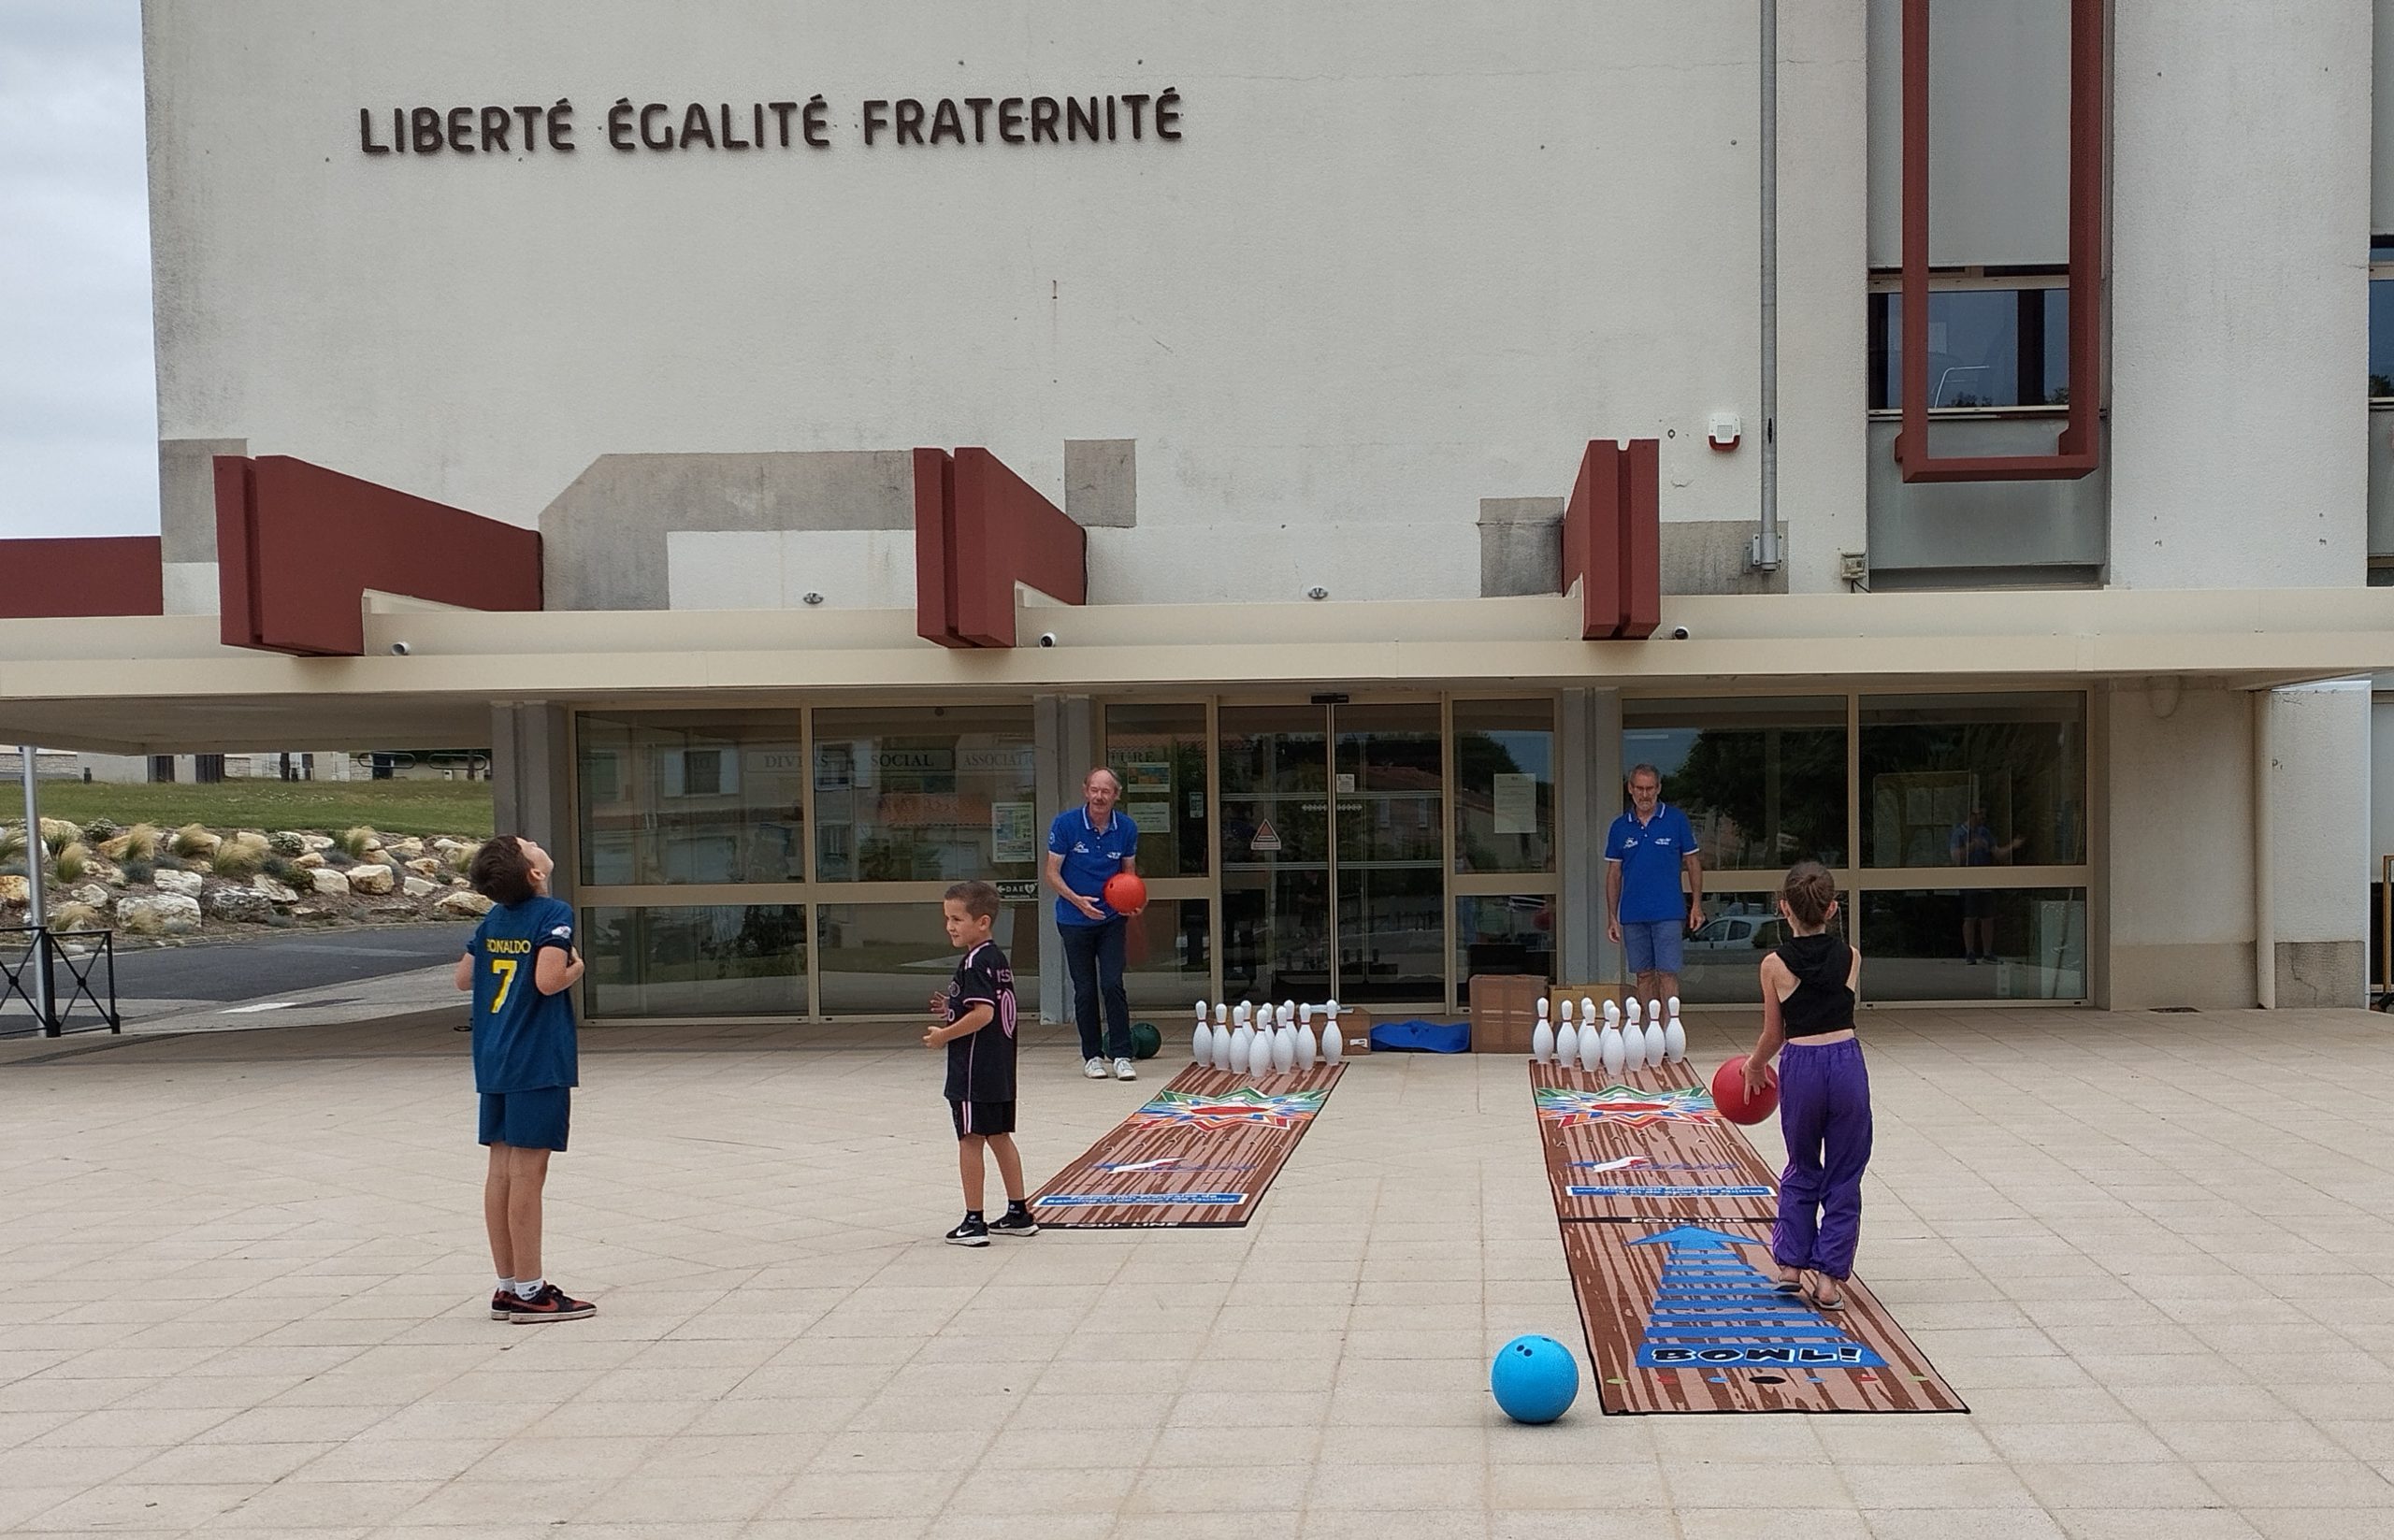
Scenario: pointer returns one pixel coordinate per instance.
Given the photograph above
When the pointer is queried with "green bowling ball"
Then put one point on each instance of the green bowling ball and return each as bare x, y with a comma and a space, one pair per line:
1144, 1039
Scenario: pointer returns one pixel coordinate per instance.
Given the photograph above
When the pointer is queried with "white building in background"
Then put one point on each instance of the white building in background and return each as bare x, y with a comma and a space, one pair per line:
1306, 317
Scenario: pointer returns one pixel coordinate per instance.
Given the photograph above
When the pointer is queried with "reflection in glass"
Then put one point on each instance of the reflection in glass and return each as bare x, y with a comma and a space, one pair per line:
2381, 332
1762, 781
925, 795
889, 958
693, 960
1986, 348
1723, 961
692, 796
1159, 754
1166, 966
1274, 853
1913, 946
1504, 933
1391, 882
1974, 780
1505, 791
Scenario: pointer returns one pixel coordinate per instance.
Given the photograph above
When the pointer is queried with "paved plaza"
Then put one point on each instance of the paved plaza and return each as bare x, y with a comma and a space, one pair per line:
245, 1295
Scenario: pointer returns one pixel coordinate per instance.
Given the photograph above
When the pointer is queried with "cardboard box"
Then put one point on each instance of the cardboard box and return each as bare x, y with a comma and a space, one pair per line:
1574, 993
1503, 1012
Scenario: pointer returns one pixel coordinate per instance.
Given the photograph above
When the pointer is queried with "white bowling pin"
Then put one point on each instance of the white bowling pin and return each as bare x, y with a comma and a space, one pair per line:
1541, 1037
1567, 1043
1632, 1023
1242, 1038
1592, 1044
1221, 1014
1653, 1042
1673, 1034
1288, 1013
1653, 1012
1307, 1052
1587, 1012
1615, 1049
1284, 1050
1333, 1036
1201, 1044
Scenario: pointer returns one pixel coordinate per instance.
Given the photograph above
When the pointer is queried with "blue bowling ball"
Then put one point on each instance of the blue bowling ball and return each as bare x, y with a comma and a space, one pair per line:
1534, 1378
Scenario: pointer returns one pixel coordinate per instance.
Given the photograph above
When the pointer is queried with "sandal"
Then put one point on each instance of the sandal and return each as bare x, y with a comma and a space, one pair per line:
1823, 1291
1790, 1281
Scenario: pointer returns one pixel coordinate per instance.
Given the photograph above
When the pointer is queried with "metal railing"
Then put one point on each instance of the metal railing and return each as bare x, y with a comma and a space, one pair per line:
33, 959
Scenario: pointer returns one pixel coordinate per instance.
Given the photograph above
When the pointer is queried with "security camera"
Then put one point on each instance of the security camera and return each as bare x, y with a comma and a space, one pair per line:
1679, 633
399, 649
1046, 639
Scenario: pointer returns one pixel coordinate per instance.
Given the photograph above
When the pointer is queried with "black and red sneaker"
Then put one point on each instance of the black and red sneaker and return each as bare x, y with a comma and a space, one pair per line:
551, 1303
503, 1302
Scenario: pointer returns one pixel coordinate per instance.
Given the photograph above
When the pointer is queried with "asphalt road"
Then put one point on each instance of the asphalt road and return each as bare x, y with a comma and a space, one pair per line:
275, 964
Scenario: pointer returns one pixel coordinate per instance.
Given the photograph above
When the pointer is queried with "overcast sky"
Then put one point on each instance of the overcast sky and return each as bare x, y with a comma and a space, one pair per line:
79, 410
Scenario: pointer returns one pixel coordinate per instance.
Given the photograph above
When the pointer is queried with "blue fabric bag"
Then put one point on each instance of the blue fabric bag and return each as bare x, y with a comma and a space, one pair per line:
1421, 1037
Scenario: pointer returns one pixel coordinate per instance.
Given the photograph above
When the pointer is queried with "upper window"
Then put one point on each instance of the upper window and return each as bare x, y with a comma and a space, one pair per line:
2381, 318
1990, 346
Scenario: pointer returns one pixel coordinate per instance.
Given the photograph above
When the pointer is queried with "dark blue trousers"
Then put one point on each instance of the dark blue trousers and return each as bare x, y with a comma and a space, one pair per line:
1093, 958
1824, 1113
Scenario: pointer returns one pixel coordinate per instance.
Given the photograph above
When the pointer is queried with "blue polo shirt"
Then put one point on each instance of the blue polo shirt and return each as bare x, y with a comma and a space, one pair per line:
522, 1038
1090, 854
1649, 855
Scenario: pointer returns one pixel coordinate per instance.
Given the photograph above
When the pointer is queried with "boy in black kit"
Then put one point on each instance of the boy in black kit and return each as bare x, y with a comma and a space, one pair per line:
976, 1021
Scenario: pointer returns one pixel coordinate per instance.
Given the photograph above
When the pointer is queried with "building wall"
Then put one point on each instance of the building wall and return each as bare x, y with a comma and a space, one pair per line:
2316, 792
1405, 257
2181, 875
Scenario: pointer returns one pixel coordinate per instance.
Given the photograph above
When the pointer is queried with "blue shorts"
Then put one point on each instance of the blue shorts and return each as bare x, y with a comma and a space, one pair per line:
1652, 946
529, 1120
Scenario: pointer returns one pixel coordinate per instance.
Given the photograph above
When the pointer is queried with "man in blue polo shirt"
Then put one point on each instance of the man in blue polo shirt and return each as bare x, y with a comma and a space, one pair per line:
1648, 849
1085, 846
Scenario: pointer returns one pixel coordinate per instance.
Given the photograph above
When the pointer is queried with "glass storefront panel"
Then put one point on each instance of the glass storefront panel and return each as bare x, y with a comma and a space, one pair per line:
692, 796
1723, 962
1159, 754
1275, 853
1390, 782
1504, 933
1998, 943
926, 794
887, 959
696, 960
1168, 961
1974, 780
1505, 785
1762, 781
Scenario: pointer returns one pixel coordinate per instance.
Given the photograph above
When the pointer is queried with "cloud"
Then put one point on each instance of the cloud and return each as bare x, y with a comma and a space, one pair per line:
79, 412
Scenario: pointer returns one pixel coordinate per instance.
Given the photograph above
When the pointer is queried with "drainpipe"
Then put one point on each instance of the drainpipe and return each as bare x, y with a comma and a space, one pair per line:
2265, 949
1765, 556
35, 908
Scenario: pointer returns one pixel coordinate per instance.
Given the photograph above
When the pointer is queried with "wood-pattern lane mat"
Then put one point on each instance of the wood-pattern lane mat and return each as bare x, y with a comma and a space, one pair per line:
1681, 1317
1646, 1145
1203, 1151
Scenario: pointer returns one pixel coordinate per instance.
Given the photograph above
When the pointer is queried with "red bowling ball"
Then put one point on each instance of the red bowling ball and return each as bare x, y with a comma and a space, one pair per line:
1124, 894
1729, 1093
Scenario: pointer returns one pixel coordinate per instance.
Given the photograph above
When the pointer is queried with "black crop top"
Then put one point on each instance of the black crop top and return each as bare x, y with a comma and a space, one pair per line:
1821, 1002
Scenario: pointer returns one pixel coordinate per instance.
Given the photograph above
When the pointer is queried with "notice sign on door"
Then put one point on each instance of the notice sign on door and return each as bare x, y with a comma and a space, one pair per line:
1266, 841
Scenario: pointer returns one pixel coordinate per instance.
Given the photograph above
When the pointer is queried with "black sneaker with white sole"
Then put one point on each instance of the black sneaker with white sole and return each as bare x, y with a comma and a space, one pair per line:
1016, 1223
551, 1303
972, 1231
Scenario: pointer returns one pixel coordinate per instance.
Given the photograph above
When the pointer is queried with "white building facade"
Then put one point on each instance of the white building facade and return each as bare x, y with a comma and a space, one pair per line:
1306, 317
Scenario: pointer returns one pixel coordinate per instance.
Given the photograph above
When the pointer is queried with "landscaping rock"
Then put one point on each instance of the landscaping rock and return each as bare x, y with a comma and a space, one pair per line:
390, 913
185, 882
309, 862
275, 891
405, 848
13, 893
167, 914
240, 905
418, 887
425, 866
92, 896
310, 914
316, 841
56, 833
330, 883
284, 842
462, 906
371, 878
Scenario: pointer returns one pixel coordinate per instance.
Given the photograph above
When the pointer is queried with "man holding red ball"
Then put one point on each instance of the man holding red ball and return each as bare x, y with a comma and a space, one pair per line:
1087, 846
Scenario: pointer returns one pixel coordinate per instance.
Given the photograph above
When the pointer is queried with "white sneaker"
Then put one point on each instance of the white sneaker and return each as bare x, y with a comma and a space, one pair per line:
1123, 1069
1094, 1069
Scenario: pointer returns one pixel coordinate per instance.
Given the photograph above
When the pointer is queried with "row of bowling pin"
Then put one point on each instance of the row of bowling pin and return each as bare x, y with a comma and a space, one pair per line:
1266, 1040
1617, 1044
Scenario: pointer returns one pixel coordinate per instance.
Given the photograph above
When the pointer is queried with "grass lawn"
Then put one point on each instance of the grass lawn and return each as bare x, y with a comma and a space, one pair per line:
392, 807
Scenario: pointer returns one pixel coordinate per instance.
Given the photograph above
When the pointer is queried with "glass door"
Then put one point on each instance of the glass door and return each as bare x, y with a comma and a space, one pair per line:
1332, 852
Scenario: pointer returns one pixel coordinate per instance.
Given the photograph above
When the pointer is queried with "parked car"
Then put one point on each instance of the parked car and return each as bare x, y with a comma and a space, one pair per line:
1739, 933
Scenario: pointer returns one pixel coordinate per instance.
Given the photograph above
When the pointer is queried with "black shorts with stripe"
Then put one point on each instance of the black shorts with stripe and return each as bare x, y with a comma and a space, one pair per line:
983, 1117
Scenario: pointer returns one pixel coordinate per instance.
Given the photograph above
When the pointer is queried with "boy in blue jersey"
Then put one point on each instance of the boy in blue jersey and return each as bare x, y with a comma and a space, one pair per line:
519, 966
974, 1020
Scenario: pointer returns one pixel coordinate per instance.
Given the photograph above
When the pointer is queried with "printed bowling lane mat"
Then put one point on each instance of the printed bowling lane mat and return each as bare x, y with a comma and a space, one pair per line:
1683, 1318
1653, 1148
1201, 1152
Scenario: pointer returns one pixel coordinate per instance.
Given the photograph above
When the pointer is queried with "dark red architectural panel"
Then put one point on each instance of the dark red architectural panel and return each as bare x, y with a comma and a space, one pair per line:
298, 546
2079, 450
979, 529
1612, 539
97, 575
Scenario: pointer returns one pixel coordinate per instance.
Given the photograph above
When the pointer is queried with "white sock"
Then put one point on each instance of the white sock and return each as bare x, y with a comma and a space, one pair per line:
507, 1285
526, 1287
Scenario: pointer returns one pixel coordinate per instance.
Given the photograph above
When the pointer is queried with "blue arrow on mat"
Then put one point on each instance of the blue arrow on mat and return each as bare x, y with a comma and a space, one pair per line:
1715, 1310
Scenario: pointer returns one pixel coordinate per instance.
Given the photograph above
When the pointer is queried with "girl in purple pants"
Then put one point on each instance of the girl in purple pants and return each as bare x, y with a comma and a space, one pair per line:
1808, 992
